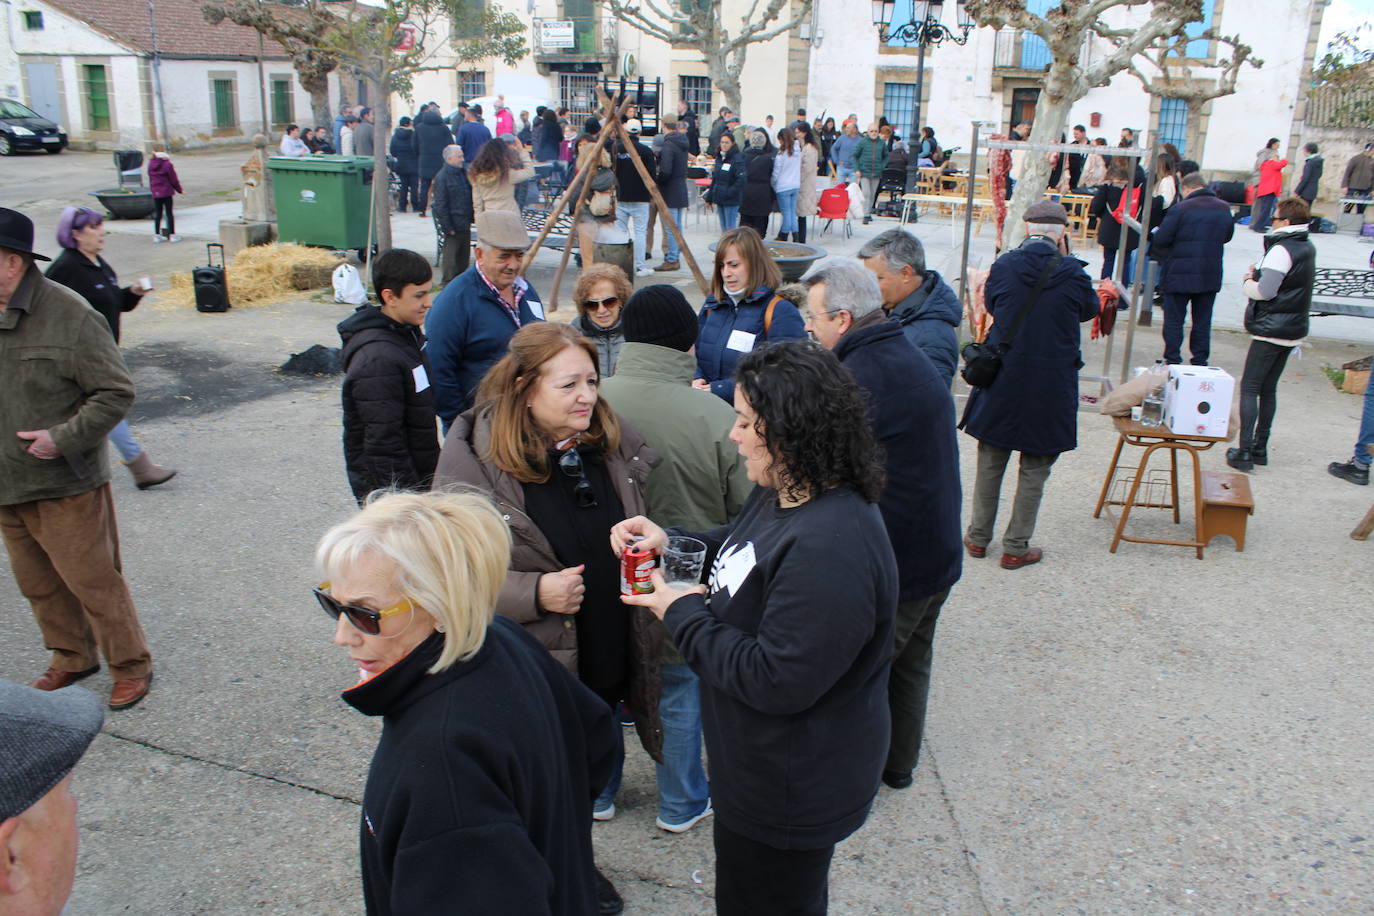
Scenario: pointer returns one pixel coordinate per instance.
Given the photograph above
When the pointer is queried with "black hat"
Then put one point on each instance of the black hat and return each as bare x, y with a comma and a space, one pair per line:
660, 315
16, 233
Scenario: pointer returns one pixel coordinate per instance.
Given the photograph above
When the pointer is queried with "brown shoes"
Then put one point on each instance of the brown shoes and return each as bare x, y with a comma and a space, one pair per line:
52, 679
129, 691
1033, 555
974, 550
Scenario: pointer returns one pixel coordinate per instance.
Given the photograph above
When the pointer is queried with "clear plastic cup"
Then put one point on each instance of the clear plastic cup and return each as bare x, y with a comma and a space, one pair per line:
682, 561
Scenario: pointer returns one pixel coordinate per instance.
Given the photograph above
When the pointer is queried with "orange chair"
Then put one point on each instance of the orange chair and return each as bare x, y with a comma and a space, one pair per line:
833, 205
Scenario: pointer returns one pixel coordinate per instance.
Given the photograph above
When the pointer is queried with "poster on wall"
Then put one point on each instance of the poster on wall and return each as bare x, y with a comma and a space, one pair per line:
556, 33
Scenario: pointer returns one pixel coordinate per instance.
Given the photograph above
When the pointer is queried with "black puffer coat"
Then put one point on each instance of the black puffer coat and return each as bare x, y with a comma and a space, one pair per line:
431, 136
757, 199
390, 437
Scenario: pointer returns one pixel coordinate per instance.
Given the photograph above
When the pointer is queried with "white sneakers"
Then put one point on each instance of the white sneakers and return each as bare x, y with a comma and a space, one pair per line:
166, 238
685, 825
605, 814
157, 239
644, 272
174, 238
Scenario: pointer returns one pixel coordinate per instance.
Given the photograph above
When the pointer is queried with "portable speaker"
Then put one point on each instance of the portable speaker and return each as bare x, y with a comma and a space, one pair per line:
212, 291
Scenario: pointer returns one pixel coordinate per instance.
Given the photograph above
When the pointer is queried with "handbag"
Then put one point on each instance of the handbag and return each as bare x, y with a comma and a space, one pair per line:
982, 360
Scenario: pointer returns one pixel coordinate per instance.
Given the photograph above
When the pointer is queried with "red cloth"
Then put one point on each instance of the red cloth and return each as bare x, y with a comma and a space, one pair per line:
999, 164
1271, 176
1106, 312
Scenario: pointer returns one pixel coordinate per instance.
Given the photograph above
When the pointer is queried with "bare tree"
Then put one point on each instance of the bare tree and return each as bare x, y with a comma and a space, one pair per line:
385, 45
301, 29
1167, 72
1065, 29
699, 23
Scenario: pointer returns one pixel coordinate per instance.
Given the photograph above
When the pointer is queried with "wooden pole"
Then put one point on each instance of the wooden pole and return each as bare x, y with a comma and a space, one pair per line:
664, 215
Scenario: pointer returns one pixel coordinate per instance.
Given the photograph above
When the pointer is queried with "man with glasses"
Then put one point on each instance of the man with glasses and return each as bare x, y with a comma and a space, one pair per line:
474, 317
65, 389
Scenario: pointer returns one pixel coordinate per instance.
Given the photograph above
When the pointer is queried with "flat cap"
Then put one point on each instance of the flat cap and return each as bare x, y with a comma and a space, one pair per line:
42, 736
502, 229
1047, 211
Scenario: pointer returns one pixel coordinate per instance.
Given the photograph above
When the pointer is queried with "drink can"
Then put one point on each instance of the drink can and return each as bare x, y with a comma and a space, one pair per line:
636, 571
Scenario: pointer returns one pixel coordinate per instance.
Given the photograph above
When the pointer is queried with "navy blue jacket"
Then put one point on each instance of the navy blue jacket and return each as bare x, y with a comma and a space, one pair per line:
472, 136
672, 171
727, 180
930, 319
547, 136
715, 359
468, 328
1032, 406
1189, 244
913, 418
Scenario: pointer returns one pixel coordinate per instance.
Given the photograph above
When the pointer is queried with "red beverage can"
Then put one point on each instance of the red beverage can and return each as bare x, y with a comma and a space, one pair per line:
636, 571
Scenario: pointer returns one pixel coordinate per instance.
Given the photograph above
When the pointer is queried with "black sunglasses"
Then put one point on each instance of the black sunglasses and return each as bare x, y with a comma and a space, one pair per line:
364, 618
570, 463
592, 305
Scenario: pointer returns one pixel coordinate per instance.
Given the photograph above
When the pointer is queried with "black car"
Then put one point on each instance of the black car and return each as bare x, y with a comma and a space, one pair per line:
23, 128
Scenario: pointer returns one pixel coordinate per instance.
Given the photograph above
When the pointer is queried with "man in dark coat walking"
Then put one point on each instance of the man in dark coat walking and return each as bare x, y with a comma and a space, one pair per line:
1312, 168
919, 299
1032, 405
407, 156
432, 137
672, 184
389, 436
913, 417
1189, 245
453, 212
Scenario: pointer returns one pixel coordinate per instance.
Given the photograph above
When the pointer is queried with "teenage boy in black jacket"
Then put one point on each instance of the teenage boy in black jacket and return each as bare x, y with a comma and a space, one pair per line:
389, 433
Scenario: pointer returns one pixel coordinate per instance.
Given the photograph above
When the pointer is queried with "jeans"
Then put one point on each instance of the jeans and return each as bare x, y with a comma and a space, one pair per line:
682, 789
123, 441
607, 797
1109, 264
908, 683
1362, 455
1259, 386
987, 491
846, 174
787, 206
1199, 338
624, 210
754, 878
729, 218
1263, 212
673, 251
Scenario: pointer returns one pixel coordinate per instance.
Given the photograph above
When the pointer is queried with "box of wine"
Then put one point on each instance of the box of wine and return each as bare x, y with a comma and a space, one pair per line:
1197, 400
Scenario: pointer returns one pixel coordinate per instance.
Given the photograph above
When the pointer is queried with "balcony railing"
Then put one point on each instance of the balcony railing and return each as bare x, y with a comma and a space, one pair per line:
588, 37
1020, 49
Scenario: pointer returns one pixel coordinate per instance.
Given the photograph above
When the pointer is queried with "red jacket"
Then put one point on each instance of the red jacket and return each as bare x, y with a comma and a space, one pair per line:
1271, 178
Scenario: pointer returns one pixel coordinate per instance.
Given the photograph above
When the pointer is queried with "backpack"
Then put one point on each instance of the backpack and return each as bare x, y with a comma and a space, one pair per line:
348, 286
937, 155
1133, 195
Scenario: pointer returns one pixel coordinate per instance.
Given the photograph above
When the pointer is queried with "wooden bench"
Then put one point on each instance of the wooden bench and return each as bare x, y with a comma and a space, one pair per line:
1226, 504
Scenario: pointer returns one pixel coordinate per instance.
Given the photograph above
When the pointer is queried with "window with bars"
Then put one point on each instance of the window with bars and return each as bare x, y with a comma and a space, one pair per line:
224, 103
96, 90
283, 102
33, 20
577, 93
696, 92
1173, 123
899, 107
472, 84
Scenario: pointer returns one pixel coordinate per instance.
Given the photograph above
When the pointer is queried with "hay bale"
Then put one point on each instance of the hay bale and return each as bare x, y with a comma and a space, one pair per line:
261, 275
311, 276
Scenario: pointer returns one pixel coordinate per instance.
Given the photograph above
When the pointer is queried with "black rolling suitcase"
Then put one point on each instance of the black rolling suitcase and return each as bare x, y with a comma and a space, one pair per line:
212, 292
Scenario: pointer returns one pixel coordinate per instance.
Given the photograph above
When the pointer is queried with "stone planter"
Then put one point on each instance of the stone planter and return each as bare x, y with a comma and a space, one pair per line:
793, 258
125, 204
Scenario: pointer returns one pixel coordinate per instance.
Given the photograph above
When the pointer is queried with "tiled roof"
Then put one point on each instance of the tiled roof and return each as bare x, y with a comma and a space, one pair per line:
181, 28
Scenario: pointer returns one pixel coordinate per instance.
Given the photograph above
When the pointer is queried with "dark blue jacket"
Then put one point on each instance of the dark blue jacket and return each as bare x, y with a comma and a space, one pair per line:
1032, 406
930, 319
472, 136
913, 417
468, 330
547, 136
1189, 244
431, 138
672, 171
727, 180
715, 359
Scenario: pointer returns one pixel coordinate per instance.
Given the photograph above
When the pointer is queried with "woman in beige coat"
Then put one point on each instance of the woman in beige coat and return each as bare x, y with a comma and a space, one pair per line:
498, 168
807, 197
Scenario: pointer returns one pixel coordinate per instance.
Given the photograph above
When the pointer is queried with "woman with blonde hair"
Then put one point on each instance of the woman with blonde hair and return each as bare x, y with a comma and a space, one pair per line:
411, 582
601, 293
494, 173
562, 469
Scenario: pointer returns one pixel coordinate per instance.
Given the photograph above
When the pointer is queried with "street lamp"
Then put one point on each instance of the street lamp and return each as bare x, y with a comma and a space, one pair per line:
924, 29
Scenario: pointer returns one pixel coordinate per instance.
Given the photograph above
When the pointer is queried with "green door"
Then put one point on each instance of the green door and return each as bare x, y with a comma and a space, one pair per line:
97, 97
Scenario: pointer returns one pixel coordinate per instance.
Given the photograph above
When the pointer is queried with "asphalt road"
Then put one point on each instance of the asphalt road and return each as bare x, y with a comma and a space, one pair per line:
1138, 732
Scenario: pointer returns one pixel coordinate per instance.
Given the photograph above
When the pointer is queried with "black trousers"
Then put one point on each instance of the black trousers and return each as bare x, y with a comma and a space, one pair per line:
1259, 387
457, 253
422, 202
755, 879
800, 235
409, 198
162, 212
758, 223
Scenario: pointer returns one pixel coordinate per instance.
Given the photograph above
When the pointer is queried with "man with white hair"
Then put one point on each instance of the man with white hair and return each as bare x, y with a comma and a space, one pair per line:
913, 417
1037, 297
452, 209
919, 299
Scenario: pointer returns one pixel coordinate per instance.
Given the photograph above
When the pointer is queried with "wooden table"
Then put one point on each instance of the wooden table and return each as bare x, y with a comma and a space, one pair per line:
1152, 439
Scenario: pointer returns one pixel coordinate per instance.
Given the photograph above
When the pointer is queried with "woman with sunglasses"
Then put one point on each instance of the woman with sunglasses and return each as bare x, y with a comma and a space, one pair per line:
80, 268
793, 638
412, 580
601, 292
562, 469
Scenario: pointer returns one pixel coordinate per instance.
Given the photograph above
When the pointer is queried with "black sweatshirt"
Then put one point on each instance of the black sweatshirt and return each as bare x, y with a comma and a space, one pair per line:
479, 797
793, 653
96, 283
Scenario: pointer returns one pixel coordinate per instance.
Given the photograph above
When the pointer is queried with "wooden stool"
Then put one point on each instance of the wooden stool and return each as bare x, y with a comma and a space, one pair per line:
1226, 503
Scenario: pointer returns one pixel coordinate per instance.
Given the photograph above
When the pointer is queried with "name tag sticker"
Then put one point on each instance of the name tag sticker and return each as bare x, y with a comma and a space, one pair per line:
741, 341
725, 166
421, 378
536, 308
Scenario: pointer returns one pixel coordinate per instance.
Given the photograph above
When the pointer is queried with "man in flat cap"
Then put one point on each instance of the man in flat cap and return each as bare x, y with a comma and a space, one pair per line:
65, 388
1031, 406
42, 736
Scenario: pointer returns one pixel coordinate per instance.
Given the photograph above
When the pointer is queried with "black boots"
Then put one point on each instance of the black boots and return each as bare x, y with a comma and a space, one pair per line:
1242, 459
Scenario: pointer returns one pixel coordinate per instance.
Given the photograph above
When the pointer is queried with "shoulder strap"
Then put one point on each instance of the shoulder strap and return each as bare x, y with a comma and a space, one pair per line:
768, 315
1034, 297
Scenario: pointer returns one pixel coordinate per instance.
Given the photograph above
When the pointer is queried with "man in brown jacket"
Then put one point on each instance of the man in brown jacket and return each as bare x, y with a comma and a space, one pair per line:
65, 388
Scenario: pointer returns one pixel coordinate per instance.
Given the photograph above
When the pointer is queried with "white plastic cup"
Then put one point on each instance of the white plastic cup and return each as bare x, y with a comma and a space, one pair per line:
682, 561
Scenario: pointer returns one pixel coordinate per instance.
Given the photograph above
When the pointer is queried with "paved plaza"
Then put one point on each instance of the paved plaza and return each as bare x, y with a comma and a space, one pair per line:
1138, 732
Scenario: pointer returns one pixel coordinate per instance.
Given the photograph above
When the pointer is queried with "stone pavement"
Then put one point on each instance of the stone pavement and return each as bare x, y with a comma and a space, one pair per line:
1135, 732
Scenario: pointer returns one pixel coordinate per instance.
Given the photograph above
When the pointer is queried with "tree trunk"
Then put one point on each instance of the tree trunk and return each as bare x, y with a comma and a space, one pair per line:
381, 175
725, 82
318, 87
1051, 114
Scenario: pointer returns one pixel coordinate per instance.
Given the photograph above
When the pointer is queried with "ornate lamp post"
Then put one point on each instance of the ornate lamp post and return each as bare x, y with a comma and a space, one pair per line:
924, 29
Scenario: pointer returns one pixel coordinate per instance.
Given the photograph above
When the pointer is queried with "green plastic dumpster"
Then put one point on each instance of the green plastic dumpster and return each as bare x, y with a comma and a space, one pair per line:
322, 200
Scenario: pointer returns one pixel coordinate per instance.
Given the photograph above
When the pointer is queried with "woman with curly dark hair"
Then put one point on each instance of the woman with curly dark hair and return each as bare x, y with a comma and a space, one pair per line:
792, 634
495, 172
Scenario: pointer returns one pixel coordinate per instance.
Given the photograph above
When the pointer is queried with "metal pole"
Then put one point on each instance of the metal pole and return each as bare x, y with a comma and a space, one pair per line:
161, 115
968, 213
913, 141
262, 92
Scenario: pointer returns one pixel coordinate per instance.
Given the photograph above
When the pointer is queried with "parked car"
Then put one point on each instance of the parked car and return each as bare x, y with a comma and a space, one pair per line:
23, 128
